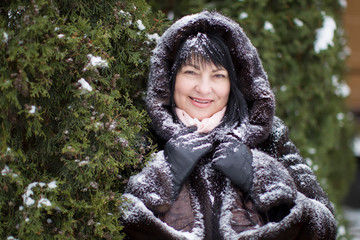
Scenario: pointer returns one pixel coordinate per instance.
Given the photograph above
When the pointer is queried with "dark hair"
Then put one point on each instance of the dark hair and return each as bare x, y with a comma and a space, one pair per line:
210, 48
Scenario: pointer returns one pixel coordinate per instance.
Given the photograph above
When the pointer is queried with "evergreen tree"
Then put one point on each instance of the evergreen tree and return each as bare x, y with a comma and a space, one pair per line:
72, 123
303, 48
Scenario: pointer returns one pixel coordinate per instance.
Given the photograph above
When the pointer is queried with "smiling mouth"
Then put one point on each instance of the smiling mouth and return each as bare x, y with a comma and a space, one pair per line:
203, 101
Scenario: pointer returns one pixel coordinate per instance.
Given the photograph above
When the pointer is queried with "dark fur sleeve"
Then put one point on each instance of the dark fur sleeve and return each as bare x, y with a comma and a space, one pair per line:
153, 185
282, 148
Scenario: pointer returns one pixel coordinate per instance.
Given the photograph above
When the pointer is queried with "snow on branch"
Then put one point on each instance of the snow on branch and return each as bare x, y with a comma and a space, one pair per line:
325, 34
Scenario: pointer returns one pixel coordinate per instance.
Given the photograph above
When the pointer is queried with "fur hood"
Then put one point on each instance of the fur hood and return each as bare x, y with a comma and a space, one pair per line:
253, 80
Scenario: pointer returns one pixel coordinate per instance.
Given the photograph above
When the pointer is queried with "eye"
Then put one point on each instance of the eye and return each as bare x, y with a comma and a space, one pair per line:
189, 72
220, 76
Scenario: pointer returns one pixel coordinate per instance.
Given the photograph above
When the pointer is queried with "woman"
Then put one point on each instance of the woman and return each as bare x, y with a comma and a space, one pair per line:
227, 169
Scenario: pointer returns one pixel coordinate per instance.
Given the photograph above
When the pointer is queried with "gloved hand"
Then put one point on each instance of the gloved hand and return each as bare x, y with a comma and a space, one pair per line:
234, 160
183, 151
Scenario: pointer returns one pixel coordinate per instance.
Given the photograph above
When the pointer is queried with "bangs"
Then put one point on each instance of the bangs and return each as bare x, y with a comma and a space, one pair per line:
201, 49
201, 60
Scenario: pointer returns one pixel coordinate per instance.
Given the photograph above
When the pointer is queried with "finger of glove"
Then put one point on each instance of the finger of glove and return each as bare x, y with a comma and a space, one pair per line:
191, 149
226, 137
192, 141
238, 159
185, 131
237, 167
227, 148
220, 153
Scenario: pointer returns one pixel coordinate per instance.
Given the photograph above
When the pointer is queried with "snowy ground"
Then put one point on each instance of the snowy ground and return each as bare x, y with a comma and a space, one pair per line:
353, 215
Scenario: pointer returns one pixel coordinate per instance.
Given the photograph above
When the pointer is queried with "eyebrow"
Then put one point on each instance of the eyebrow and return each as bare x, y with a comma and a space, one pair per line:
219, 69
191, 65
198, 67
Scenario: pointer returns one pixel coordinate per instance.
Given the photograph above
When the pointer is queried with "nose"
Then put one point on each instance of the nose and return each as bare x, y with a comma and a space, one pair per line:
203, 86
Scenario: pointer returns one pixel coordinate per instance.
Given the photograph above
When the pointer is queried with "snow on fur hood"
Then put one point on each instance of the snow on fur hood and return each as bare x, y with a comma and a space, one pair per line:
253, 79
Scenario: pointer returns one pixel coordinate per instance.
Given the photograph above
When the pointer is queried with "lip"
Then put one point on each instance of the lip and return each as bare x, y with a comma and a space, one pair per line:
200, 102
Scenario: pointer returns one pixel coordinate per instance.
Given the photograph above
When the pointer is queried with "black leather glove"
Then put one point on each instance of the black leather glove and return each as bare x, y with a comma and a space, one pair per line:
183, 151
234, 160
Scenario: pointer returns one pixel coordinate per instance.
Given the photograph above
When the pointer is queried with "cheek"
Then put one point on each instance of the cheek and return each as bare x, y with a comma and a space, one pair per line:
223, 91
181, 90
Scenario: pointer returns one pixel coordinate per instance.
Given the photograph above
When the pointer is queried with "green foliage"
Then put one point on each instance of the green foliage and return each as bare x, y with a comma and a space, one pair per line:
308, 84
67, 150
72, 123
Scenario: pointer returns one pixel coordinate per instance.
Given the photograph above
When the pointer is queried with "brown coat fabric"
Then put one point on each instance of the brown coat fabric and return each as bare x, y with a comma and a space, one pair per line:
285, 201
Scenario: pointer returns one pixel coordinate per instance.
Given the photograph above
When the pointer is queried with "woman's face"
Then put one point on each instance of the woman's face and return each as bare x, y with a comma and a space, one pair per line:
201, 90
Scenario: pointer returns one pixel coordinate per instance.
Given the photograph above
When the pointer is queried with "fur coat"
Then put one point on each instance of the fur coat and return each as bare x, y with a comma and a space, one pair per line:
285, 201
